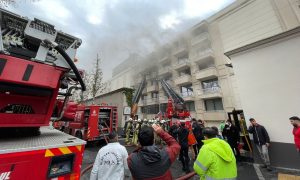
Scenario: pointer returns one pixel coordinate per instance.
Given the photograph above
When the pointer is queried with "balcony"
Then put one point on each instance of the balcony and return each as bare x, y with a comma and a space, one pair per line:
215, 115
200, 38
164, 59
182, 80
152, 101
207, 73
163, 99
144, 92
144, 102
188, 96
214, 92
200, 56
180, 50
182, 65
152, 88
165, 71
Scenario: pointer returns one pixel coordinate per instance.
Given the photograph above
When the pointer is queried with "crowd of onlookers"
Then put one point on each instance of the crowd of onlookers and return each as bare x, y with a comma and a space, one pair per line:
214, 154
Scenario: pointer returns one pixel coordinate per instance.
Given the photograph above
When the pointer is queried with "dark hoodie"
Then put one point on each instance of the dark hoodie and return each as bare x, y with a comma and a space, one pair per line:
150, 162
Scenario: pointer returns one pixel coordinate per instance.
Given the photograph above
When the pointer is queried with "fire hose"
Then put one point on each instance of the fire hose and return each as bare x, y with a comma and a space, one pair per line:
61, 51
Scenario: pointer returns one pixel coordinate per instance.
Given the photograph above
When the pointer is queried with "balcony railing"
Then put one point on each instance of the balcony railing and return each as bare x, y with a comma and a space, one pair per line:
201, 55
184, 79
151, 101
187, 94
164, 71
163, 99
206, 73
200, 38
182, 64
211, 90
178, 50
152, 88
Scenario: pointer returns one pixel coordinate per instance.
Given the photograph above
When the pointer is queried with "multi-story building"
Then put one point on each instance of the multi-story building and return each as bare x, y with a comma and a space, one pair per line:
194, 66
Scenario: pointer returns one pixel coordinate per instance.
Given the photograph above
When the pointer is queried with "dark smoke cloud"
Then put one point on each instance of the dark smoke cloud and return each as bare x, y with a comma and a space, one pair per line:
121, 27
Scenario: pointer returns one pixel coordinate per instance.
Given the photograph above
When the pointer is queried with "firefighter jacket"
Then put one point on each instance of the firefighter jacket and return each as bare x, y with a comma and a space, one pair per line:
152, 163
296, 132
216, 161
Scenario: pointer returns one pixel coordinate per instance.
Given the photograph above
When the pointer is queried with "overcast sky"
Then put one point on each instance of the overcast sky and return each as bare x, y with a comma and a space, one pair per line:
116, 28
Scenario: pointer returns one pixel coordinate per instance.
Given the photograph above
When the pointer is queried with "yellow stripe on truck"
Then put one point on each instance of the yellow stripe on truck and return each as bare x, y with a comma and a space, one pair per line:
48, 153
79, 148
65, 150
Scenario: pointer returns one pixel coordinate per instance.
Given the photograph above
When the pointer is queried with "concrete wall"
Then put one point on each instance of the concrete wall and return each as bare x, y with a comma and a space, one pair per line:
121, 80
268, 78
249, 23
268, 82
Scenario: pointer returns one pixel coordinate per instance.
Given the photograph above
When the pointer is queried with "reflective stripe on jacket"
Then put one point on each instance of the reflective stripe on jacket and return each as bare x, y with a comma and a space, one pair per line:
216, 161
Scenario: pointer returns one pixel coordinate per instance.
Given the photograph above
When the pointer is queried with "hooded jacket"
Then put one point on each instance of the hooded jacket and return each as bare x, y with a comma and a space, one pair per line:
216, 161
296, 132
151, 163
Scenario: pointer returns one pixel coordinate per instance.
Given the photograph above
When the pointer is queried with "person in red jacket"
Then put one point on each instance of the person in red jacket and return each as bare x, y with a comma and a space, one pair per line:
295, 121
149, 162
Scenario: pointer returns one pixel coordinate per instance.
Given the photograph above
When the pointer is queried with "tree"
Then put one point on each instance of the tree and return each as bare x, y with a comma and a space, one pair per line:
97, 86
80, 96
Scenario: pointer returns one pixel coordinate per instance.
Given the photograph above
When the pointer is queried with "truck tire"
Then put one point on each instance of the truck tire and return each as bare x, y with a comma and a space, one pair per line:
78, 134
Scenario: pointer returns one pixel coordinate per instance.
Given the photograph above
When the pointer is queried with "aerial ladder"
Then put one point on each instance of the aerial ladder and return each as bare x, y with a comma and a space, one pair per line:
136, 98
176, 106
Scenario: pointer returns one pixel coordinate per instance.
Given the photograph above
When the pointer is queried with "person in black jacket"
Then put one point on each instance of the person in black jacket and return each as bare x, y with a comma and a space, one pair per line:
261, 140
197, 131
232, 135
173, 131
183, 134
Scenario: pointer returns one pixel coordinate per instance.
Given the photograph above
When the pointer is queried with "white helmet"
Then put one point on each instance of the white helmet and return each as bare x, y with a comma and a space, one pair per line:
139, 120
162, 121
130, 119
145, 120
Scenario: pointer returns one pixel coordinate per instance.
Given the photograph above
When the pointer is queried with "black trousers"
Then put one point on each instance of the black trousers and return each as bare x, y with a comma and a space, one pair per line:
184, 158
199, 144
234, 147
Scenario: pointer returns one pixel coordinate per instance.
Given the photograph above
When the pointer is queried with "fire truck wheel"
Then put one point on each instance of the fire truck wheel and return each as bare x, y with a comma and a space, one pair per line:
78, 134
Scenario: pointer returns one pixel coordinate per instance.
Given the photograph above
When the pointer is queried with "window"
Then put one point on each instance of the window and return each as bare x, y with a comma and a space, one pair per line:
185, 72
152, 109
210, 86
154, 94
186, 90
163, 107
213, 104
210, 83
190, 105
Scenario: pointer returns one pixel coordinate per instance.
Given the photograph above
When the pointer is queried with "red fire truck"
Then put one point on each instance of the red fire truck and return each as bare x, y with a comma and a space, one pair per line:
90, 123
36, 65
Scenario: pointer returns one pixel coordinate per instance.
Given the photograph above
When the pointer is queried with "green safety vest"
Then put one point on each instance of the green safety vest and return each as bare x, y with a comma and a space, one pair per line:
216, 161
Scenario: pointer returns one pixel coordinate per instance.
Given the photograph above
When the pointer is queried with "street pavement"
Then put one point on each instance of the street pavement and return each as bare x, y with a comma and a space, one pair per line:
246, 171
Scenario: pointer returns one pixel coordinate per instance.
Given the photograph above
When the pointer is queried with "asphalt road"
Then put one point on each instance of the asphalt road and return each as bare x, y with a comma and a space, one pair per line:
246, 171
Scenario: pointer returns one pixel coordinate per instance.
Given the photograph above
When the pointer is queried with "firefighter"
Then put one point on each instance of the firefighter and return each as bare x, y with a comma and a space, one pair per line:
136, 132
128, 130
145, 123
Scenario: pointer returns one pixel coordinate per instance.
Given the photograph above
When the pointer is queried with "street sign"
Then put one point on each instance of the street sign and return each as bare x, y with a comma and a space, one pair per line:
127, 110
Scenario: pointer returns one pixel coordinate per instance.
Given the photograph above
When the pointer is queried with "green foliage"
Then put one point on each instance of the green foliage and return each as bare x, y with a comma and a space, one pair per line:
129, 95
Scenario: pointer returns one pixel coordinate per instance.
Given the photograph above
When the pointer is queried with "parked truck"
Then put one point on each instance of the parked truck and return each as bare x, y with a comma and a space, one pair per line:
36, 66
90, 123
